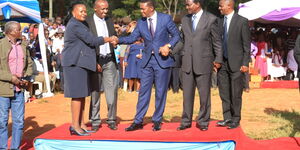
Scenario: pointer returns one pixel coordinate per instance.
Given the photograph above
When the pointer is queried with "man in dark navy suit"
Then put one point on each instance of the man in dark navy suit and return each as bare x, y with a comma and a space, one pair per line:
160, 35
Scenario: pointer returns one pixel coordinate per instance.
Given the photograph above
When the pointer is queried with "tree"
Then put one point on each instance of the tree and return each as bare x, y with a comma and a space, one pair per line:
126, 8
171, 6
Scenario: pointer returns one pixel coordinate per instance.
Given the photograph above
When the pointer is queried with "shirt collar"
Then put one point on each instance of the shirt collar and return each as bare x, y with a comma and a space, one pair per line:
199, 14
230, 15
154, 16
97, 18
18, 41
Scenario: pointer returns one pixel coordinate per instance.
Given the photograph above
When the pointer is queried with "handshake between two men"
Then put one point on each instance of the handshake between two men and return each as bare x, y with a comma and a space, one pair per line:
164, 50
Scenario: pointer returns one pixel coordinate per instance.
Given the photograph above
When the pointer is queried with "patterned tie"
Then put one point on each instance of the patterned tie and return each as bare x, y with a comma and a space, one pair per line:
151, 27
225, 37
194, 22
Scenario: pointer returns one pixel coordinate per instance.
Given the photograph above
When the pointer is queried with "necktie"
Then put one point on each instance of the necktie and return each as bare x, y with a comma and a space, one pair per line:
194, 22
225, 37
151, 27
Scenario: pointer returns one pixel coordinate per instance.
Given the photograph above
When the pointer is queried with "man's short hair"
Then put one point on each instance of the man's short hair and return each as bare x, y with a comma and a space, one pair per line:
96, 1
150, 3
10, 26
201, 2
75, 3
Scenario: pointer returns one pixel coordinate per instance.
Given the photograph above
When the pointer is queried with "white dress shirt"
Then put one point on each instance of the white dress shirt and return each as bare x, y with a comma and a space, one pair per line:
58, 43
101, 28
229, 17
154, 21
198, 16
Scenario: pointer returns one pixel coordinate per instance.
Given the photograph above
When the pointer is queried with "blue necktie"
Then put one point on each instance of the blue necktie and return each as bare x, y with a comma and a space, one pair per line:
151, 27
194, 22
225, 37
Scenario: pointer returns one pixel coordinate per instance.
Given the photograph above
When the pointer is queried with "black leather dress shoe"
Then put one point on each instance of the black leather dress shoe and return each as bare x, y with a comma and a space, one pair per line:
233, 125
134, 127
183, 127
112, 126
95, 128
224, 123
156, 126
202, 127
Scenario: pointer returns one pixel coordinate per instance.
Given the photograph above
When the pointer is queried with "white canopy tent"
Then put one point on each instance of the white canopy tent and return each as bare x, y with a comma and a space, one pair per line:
283, 12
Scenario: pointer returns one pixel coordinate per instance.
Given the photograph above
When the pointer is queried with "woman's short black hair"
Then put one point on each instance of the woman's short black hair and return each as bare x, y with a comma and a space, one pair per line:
71, 8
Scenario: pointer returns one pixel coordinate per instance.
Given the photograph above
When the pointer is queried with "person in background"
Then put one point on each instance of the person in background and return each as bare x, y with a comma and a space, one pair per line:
58, 42
14, 70
132, 65
297, 56
58, 20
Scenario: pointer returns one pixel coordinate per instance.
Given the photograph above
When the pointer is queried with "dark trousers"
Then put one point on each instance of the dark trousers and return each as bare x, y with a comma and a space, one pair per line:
203, 84
231, 90
246, 80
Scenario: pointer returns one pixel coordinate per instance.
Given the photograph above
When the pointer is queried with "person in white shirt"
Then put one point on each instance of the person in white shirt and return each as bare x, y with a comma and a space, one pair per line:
58, 42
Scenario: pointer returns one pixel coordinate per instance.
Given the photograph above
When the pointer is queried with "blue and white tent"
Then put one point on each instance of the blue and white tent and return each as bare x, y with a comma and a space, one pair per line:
20, 10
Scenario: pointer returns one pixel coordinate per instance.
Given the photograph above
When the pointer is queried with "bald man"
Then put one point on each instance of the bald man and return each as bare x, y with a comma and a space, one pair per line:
101, 25
236, 56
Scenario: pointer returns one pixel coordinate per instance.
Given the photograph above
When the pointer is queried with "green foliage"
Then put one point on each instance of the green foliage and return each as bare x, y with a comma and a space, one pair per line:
119, 12
125, 8
89, 6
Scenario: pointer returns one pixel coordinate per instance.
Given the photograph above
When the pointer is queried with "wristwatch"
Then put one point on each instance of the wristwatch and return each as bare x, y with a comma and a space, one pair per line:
169, 45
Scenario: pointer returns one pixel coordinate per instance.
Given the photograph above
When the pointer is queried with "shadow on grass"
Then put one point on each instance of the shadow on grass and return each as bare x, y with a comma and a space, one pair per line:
34, 131
293, 117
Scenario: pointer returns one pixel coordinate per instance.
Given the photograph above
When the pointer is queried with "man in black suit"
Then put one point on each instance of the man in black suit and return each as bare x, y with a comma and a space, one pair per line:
236, 56
201, 53
297, 56
106, 75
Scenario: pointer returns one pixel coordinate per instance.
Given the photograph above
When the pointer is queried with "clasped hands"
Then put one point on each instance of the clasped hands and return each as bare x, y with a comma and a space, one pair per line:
113, 40
164, 50
18, 82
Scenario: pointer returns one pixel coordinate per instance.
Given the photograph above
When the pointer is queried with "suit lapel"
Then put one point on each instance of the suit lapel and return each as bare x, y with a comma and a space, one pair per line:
189, 23
158, 24
110, 27
232, 24
93, 26
202, 22
145, 28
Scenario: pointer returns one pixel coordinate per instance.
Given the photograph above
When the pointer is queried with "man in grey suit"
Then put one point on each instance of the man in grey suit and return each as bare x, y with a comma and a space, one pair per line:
236, 56
101, 25
201, 53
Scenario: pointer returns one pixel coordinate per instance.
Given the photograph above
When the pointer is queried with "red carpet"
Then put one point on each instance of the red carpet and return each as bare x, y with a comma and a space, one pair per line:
279, 84
170, 134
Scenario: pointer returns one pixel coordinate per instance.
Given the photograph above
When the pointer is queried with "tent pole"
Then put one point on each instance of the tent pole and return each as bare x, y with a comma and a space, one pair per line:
50, 9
